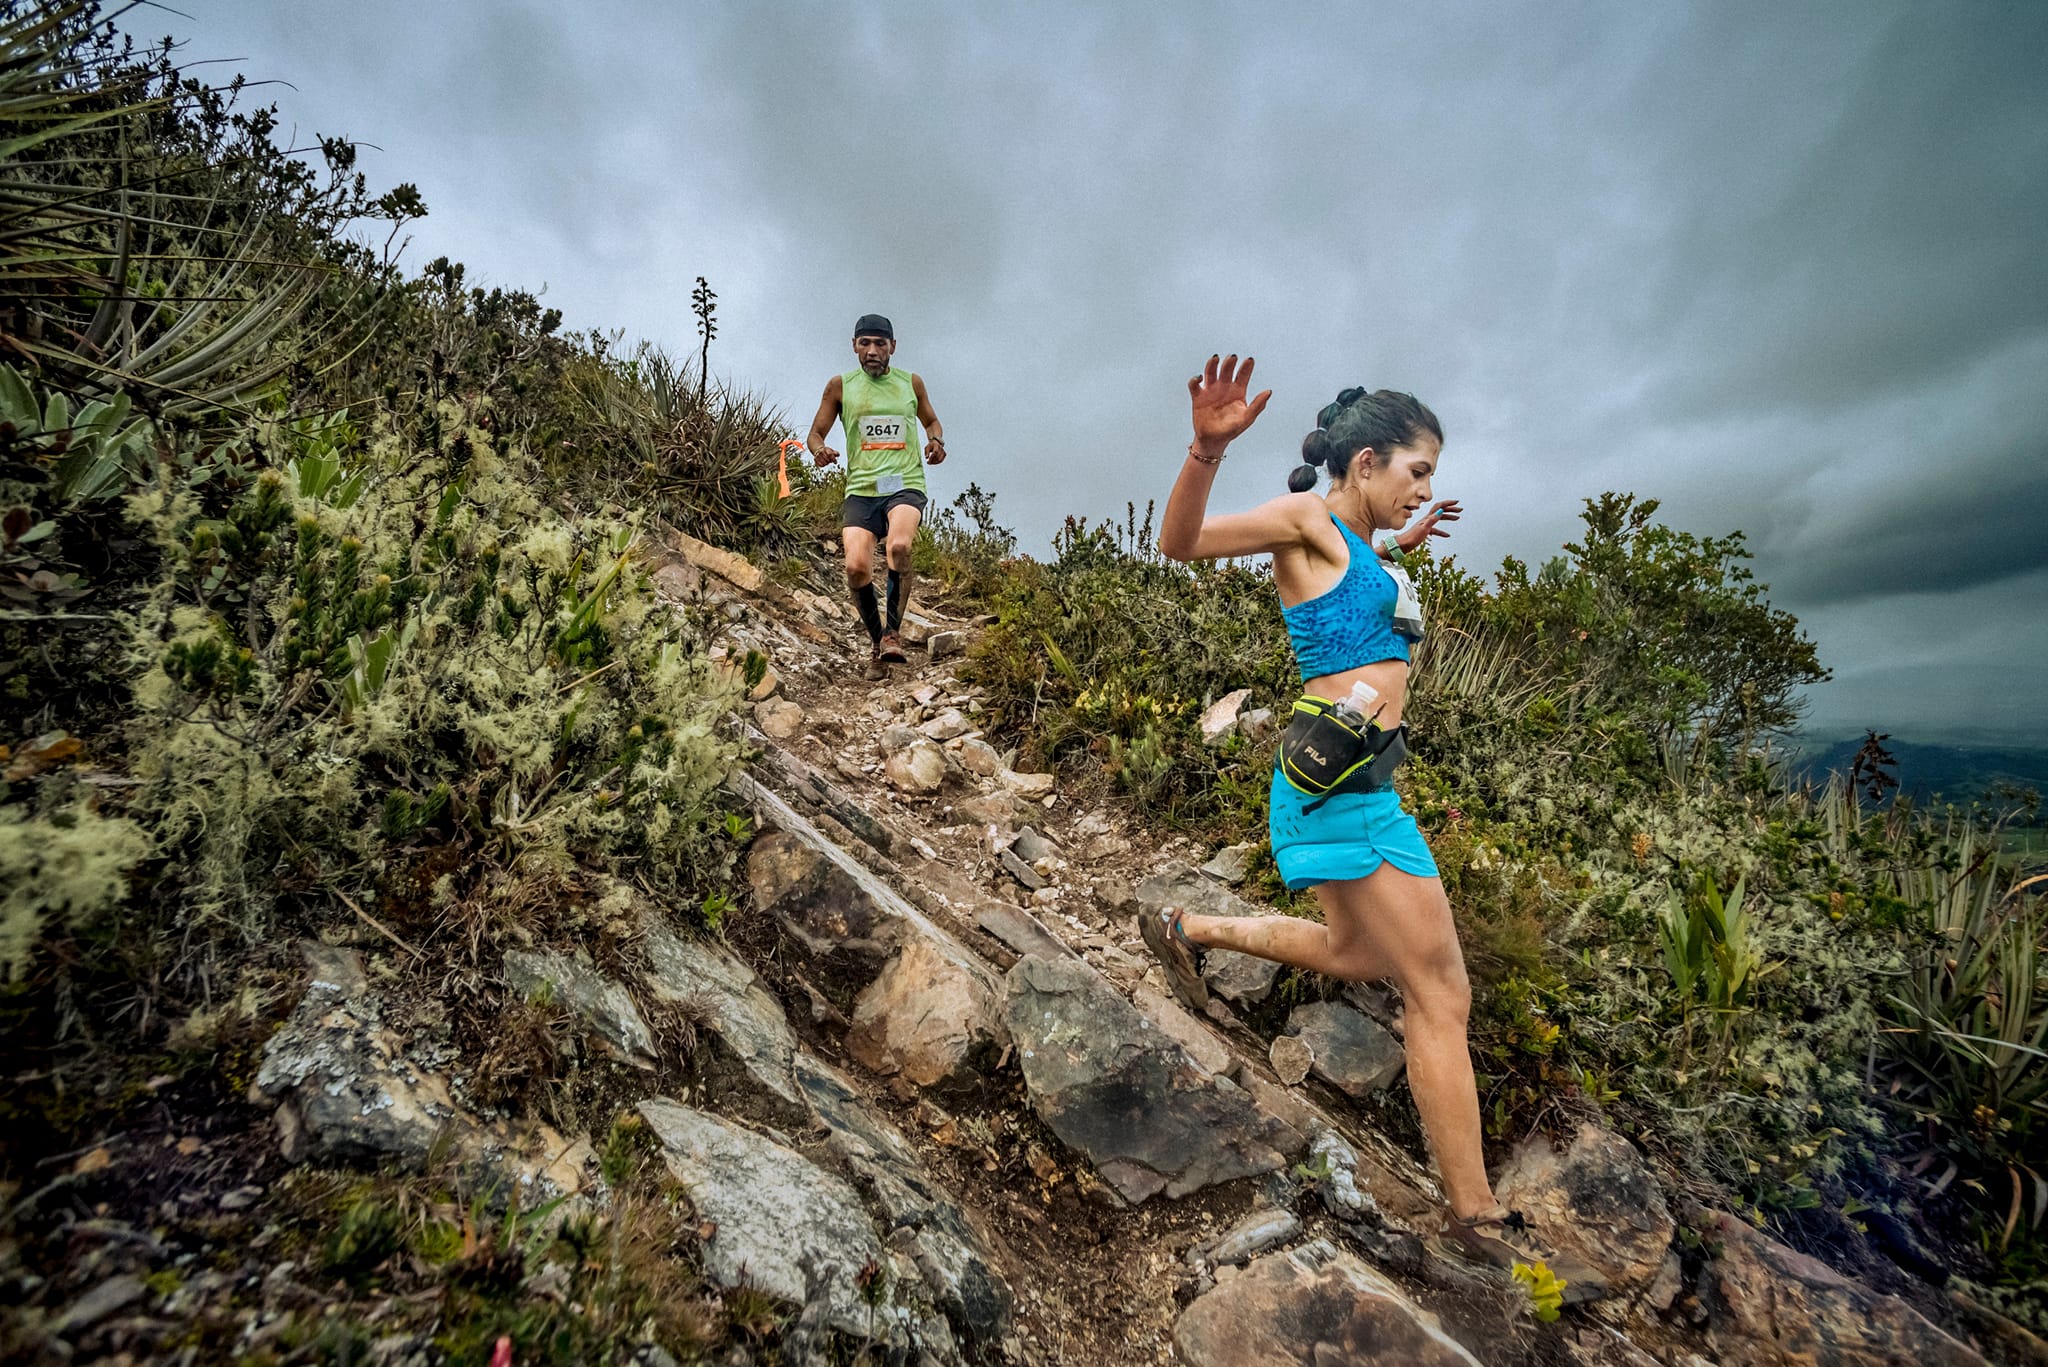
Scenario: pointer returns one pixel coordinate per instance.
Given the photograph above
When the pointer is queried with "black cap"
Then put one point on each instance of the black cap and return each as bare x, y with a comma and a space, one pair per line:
874, 325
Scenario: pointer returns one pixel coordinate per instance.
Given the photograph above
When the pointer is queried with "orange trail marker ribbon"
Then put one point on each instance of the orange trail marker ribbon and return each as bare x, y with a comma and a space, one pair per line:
782, 463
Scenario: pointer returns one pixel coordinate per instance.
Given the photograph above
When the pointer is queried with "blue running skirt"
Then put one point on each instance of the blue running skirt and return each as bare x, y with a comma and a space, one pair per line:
1349, 836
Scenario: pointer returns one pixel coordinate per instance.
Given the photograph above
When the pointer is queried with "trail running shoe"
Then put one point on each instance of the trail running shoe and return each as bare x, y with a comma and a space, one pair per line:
1164, 937
876, 670
1502, 1238
891, 649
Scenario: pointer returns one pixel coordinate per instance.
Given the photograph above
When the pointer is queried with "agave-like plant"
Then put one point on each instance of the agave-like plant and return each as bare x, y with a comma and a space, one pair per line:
1969, 1018
154, 241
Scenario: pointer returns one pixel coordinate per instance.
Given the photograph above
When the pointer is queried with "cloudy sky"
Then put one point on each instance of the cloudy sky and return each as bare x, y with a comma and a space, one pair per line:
1783, 267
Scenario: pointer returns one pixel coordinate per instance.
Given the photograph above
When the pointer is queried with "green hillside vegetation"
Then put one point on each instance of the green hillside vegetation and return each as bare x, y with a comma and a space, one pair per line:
325, 603
1825, 1006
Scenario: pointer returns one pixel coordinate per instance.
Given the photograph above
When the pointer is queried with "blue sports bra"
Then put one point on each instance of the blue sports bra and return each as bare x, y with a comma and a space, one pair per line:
1353, 623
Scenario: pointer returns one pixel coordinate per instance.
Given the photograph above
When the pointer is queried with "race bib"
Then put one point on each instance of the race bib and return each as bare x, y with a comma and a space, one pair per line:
880, 432
1407, 606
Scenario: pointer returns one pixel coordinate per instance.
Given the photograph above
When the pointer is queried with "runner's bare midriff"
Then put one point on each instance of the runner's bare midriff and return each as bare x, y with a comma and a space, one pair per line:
1390, 677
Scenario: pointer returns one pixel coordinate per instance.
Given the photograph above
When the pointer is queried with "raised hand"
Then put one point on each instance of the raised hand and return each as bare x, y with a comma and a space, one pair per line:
1417, 533
1217, 396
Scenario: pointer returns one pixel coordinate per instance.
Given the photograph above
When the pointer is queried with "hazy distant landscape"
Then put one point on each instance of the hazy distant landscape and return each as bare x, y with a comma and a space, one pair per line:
1930, 771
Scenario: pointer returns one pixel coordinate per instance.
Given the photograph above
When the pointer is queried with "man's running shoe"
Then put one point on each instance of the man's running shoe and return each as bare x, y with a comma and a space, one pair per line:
1163, 936
891, 649
876, 670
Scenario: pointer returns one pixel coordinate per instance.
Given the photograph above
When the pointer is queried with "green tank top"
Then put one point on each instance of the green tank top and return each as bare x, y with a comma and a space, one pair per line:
884, 454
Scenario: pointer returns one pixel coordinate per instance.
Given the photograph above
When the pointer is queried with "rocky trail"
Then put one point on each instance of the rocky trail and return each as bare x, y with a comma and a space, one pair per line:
937, 1102
1146, 1184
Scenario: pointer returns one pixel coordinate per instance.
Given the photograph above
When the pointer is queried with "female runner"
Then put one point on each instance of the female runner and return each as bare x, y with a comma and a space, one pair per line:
1384, 910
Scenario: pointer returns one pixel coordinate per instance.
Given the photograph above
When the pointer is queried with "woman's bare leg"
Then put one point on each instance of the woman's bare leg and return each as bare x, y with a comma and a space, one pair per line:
1392, 925
1336, 947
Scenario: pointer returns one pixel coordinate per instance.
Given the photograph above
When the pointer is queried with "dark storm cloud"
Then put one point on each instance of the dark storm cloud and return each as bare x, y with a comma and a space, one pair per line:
1779, 267
1889, 546
1892, 235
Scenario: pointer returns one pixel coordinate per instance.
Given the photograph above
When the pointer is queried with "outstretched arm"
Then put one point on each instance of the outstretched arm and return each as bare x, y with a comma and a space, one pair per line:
934, 434
828, 413
1221, 414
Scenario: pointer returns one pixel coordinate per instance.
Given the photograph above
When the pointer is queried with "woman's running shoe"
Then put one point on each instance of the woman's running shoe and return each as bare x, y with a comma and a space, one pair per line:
892, 649
1502, 1238
1176, 955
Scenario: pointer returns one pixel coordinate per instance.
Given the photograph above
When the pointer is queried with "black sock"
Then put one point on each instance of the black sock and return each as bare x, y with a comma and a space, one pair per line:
870, 611
899, 597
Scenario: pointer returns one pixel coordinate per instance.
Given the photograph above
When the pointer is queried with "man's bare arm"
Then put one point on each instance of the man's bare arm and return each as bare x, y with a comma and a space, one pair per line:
934, 434
828, 413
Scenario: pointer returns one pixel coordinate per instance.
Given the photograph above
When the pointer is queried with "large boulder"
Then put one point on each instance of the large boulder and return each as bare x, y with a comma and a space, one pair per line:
752, 1037
1771, 1307
1595, 1201
781, 1224
1125, 1096
856, 927
1235, 977
1347, 1049
918, 1215
1312, 1306
928, 1018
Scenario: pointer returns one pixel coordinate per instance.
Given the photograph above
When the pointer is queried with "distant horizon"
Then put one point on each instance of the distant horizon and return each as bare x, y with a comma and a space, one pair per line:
1954, 739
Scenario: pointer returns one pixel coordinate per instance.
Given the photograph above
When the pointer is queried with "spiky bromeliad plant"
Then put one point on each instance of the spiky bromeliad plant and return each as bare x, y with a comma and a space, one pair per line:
154, 239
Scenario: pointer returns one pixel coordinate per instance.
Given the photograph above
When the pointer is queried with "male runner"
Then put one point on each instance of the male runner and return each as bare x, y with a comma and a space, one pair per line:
880, 409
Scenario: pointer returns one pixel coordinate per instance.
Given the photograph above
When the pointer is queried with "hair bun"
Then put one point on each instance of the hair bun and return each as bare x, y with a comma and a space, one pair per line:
1315, 448
1351, 395
1301, 479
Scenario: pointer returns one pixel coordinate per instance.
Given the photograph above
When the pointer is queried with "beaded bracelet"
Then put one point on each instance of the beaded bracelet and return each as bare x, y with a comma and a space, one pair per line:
1193, 454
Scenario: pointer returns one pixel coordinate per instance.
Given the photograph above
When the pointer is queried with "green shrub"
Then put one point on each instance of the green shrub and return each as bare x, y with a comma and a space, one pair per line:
405, 644
1112, 651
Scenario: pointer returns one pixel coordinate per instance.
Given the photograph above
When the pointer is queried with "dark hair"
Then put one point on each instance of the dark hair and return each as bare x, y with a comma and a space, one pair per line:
1382, 419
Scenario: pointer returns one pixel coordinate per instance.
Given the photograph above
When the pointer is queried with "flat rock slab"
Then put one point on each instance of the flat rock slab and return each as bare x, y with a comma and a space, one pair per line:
753, 1035
604, 1006
1768, 1306
1596, 1201
1313, 1307
780, 1222
1250, 1237
1124, 1095
951, 1254
1183, 1029
1233, 976
1347, 1049
345, 1091
733, 569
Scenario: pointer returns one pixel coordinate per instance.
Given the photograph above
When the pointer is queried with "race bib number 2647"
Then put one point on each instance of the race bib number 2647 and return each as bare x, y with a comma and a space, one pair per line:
883, 433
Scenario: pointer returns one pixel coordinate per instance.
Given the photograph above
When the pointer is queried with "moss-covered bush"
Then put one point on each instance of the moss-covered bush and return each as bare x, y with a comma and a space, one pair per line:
381, 645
